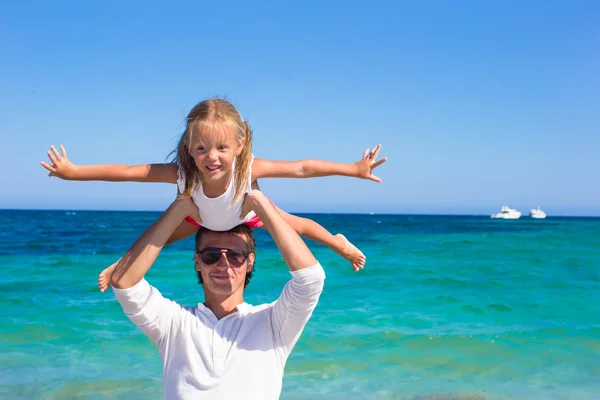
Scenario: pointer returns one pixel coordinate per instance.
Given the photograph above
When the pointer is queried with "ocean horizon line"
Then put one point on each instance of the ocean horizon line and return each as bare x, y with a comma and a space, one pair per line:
426, 214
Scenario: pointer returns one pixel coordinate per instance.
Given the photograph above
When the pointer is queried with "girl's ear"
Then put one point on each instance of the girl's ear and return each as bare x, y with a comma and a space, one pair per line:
239, 149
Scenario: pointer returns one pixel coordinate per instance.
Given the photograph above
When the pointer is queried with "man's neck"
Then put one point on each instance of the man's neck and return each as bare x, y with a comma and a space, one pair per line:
222, 306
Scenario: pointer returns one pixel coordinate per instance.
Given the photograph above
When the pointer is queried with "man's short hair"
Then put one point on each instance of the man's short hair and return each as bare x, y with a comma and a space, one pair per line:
239, 230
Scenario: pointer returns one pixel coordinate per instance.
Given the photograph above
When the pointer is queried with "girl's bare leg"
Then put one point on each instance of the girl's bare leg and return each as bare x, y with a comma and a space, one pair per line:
310, 229
184, 231
338, 243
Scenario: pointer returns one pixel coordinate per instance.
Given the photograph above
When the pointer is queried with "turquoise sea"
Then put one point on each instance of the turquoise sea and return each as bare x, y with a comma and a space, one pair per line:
448, 307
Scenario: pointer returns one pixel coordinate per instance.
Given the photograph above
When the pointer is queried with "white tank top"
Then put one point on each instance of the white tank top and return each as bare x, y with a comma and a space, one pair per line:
219, 214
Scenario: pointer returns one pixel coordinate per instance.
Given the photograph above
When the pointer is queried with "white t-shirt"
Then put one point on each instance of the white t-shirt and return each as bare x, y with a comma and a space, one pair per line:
241, 356
218, 213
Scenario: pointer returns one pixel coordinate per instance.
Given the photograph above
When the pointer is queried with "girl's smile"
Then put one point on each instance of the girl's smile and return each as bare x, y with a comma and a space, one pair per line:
214, 150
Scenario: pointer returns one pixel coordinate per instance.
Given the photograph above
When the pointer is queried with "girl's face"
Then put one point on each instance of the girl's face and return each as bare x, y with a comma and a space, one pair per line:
214, 150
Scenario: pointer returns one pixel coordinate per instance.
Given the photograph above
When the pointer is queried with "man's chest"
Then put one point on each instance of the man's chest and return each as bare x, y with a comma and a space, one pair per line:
221, 347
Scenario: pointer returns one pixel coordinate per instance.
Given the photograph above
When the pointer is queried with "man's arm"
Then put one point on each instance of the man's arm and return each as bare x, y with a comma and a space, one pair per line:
142, 303
300, 295
140, 257
293, 249
362, 169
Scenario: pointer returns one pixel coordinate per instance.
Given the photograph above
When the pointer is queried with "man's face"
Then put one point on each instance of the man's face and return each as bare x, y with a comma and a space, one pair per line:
224, 277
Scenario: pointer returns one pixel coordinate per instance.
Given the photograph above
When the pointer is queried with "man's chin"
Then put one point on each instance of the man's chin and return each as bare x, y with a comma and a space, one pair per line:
220, 289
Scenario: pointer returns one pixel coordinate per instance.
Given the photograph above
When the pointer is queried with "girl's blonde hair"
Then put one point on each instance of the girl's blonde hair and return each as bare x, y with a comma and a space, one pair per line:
204, 115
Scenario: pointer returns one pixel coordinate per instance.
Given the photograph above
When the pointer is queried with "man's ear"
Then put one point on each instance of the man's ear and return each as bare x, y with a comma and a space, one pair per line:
251, 258
197, 261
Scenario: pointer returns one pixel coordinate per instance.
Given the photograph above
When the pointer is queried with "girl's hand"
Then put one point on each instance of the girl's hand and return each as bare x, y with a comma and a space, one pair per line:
61, 166
368, 163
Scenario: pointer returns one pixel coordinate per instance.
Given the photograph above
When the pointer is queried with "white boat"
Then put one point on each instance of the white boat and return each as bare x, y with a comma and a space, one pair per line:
537, 213
507, 213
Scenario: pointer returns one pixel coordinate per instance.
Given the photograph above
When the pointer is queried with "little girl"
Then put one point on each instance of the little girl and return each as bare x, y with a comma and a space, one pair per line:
215, 166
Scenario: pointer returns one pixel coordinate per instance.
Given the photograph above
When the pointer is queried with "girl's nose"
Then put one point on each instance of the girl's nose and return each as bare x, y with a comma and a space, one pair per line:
213, 154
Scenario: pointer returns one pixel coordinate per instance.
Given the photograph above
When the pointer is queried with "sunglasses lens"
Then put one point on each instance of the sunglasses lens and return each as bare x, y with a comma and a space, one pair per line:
236, 257
210, 256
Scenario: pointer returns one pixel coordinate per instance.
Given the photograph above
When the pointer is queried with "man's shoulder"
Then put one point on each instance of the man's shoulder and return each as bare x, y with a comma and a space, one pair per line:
174, 305
258, 307
264, 308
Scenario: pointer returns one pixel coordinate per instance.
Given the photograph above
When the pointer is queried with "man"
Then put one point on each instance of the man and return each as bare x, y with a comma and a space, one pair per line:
224, 348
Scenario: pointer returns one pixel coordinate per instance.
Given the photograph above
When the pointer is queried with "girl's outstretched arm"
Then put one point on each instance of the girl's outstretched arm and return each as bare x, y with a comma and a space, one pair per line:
64, 169
363, 168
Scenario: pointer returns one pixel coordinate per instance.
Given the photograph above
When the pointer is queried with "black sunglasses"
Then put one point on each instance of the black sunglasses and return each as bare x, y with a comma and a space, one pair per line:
211, 255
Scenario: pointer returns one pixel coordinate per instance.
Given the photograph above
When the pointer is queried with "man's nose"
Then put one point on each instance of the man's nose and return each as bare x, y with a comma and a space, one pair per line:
223, 263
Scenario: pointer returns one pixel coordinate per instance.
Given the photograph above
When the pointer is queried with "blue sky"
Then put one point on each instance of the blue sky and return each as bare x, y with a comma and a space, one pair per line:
476, 104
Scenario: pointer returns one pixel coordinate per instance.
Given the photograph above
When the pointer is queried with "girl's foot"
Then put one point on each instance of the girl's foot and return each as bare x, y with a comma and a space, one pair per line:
350, 252
104, 278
